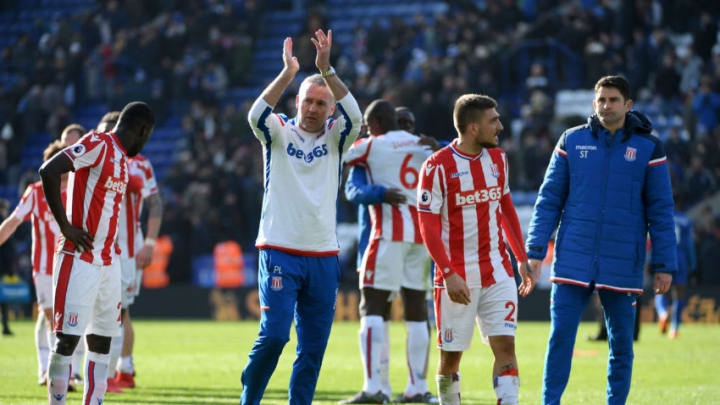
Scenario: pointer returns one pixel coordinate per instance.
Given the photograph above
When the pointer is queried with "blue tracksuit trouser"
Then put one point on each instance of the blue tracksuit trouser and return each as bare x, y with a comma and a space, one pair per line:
567, 304
302, 288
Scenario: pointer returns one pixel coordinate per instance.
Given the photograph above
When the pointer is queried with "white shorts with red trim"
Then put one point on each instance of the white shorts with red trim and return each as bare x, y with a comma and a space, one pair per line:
389, 265
44, 290
128, 280
493, 308
86, 297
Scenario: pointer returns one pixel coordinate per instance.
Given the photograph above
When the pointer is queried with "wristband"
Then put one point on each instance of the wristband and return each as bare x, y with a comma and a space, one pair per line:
329, 72
150, 241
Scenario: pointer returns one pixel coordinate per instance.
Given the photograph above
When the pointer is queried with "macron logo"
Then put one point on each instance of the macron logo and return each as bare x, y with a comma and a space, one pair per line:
115, 185
478, 196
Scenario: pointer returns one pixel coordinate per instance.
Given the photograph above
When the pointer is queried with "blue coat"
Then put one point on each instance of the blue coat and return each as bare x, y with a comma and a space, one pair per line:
606, 193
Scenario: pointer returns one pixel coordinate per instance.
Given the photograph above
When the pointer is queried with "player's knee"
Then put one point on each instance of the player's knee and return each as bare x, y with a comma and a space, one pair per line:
374, 302
65, 344
414, 305
503, 346
449, 362
98, 344
275, 343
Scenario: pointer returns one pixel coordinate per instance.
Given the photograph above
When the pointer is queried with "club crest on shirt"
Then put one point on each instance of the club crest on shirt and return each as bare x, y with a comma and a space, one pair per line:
630, 154
494, 170
276, 283
448, 335
72, 319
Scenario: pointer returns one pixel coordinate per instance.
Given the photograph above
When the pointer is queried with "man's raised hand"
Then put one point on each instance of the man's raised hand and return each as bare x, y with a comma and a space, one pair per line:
322, 43
291, 63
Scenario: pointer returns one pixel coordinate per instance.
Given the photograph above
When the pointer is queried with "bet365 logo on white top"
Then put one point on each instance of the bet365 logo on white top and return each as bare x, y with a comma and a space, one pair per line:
115, 185
308, 157
478, 196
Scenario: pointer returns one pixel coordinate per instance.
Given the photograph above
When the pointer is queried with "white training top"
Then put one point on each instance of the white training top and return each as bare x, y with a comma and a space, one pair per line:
302, 178
392, 160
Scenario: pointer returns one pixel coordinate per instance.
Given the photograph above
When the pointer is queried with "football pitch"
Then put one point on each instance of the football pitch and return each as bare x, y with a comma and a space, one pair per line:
199, 362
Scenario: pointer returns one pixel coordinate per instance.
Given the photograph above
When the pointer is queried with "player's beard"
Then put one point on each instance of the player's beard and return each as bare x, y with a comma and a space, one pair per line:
493, 143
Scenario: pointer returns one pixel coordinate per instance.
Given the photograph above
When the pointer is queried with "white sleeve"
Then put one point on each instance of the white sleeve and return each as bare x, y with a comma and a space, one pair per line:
506, 188
346, 128
263, 122
86, 152
358, 152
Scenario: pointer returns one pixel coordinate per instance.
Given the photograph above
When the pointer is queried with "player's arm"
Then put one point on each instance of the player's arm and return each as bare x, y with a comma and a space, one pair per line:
347, 104
50, 173
21, 212
262, 122
549, 204
154, 219
359, 191
8, 227
659, 206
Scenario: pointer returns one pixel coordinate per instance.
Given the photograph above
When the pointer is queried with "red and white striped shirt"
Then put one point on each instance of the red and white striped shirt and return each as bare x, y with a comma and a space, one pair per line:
140, 171
95, 190
34, 207
466, 191
392, 160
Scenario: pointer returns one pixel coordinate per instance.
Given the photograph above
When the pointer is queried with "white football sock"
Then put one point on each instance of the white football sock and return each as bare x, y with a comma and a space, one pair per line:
418, 339
42, 345
372, 337
78, 357
96, 374
59, 378
385, 361
506, 387
125, 365
115, 351
448, 387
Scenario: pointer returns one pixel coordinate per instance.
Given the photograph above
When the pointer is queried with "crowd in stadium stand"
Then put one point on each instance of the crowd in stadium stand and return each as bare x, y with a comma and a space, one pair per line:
182, 57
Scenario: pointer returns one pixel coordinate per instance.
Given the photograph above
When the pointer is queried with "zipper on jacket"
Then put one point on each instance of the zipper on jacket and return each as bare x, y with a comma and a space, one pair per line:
608, 149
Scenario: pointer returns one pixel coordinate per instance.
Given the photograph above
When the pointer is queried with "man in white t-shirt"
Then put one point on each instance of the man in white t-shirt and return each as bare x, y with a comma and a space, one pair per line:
298, 269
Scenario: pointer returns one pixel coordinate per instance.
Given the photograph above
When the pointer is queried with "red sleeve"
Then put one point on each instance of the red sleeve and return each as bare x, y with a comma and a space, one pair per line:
430, 230
511, 224
135, 184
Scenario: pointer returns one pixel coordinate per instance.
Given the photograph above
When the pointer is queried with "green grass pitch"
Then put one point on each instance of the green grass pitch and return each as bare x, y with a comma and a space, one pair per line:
199, 362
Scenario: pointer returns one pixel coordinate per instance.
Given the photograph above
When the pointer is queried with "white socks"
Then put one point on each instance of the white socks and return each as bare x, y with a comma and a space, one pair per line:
418, 339
58, 378
448, 387
96, 374
506, 387
372, 338
42, 343
385, 362
126, 365
78, 357
115, 351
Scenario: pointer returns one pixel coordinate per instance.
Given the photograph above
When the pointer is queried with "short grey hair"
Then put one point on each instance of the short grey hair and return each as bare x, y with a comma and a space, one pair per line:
316, 79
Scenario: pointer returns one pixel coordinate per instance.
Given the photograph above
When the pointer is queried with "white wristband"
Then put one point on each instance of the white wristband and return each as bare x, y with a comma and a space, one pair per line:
150, 241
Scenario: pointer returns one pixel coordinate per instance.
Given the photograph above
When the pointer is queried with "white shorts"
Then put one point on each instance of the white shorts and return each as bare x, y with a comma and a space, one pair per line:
493, 308
86, 297
138, 281
128, 281
44, 290
389, 265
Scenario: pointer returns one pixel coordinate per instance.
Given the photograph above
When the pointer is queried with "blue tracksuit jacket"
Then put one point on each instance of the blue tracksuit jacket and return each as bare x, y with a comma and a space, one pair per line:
606, 193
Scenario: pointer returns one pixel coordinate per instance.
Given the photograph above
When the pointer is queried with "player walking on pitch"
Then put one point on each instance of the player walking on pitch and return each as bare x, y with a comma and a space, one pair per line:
464, 204
86, 274
299, 270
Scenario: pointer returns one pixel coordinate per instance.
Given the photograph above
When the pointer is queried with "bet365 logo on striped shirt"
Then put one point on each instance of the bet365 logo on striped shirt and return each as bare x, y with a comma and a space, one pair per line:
478, 196
116, 185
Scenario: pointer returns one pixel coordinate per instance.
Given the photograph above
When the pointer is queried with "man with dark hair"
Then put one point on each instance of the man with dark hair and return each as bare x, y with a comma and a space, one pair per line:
299, 270
86, 273
465, 205
395, 260
607, 185
405, 119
